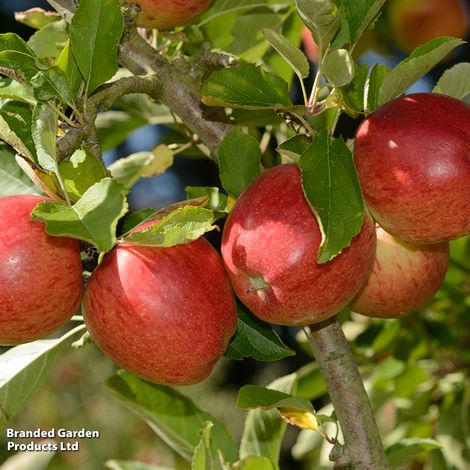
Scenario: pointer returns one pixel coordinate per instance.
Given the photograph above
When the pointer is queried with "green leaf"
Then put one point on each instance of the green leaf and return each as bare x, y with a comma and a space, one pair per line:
203, 458
351, 96
387, 336
66, 62
17, 57
13, 42
252, 463
455, 81
254, 396
95, 32
321, 18
12, 178
246, 86
338, 67
408, 449
332, 189
358, 16
291, 54
52, 83
136, 218
44, 132
257, 339
388, 369
217, 202
45, 181
264, 430
239, 161
180, 226
294, 147
374, 83
92, 219
310, 383
15, 128
325, 119
36, 18
80, 172
297, 411
13, 90
421, 61
22, 369
49, 41
132, 465
127, 171
248, 43
170, 414
411, 378
291, 29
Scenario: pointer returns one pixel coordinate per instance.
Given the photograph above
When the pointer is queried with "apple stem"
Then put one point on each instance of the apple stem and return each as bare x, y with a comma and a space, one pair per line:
363, 448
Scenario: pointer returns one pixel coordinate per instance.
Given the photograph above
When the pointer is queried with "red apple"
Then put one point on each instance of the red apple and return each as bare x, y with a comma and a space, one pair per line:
413, 160
403, 277
310, 46
270, 245
40, 276
413, 22
165, 14
164, 314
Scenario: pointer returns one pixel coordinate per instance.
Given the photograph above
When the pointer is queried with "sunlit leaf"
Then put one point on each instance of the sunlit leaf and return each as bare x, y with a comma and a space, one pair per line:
93, 218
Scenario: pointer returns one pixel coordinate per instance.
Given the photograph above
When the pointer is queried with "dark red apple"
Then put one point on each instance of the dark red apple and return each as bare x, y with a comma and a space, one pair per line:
40, 275
165, 14
164, 314
414, 22
413, 161
270, 245
403, 277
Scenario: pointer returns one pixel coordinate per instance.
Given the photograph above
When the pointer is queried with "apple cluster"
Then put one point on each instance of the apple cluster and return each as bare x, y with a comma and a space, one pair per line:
413, 161
167, 313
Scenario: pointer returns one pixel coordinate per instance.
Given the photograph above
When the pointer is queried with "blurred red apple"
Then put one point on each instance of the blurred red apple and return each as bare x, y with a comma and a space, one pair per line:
413, 22
164, 314
403, 277
165, 14
413, 161
40, 275
310, 46
270, 245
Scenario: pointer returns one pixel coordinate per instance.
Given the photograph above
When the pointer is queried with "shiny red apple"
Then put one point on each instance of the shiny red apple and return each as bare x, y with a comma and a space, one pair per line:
165, 14
270, 245
413, 161
164, 314
404, 277
40, 275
